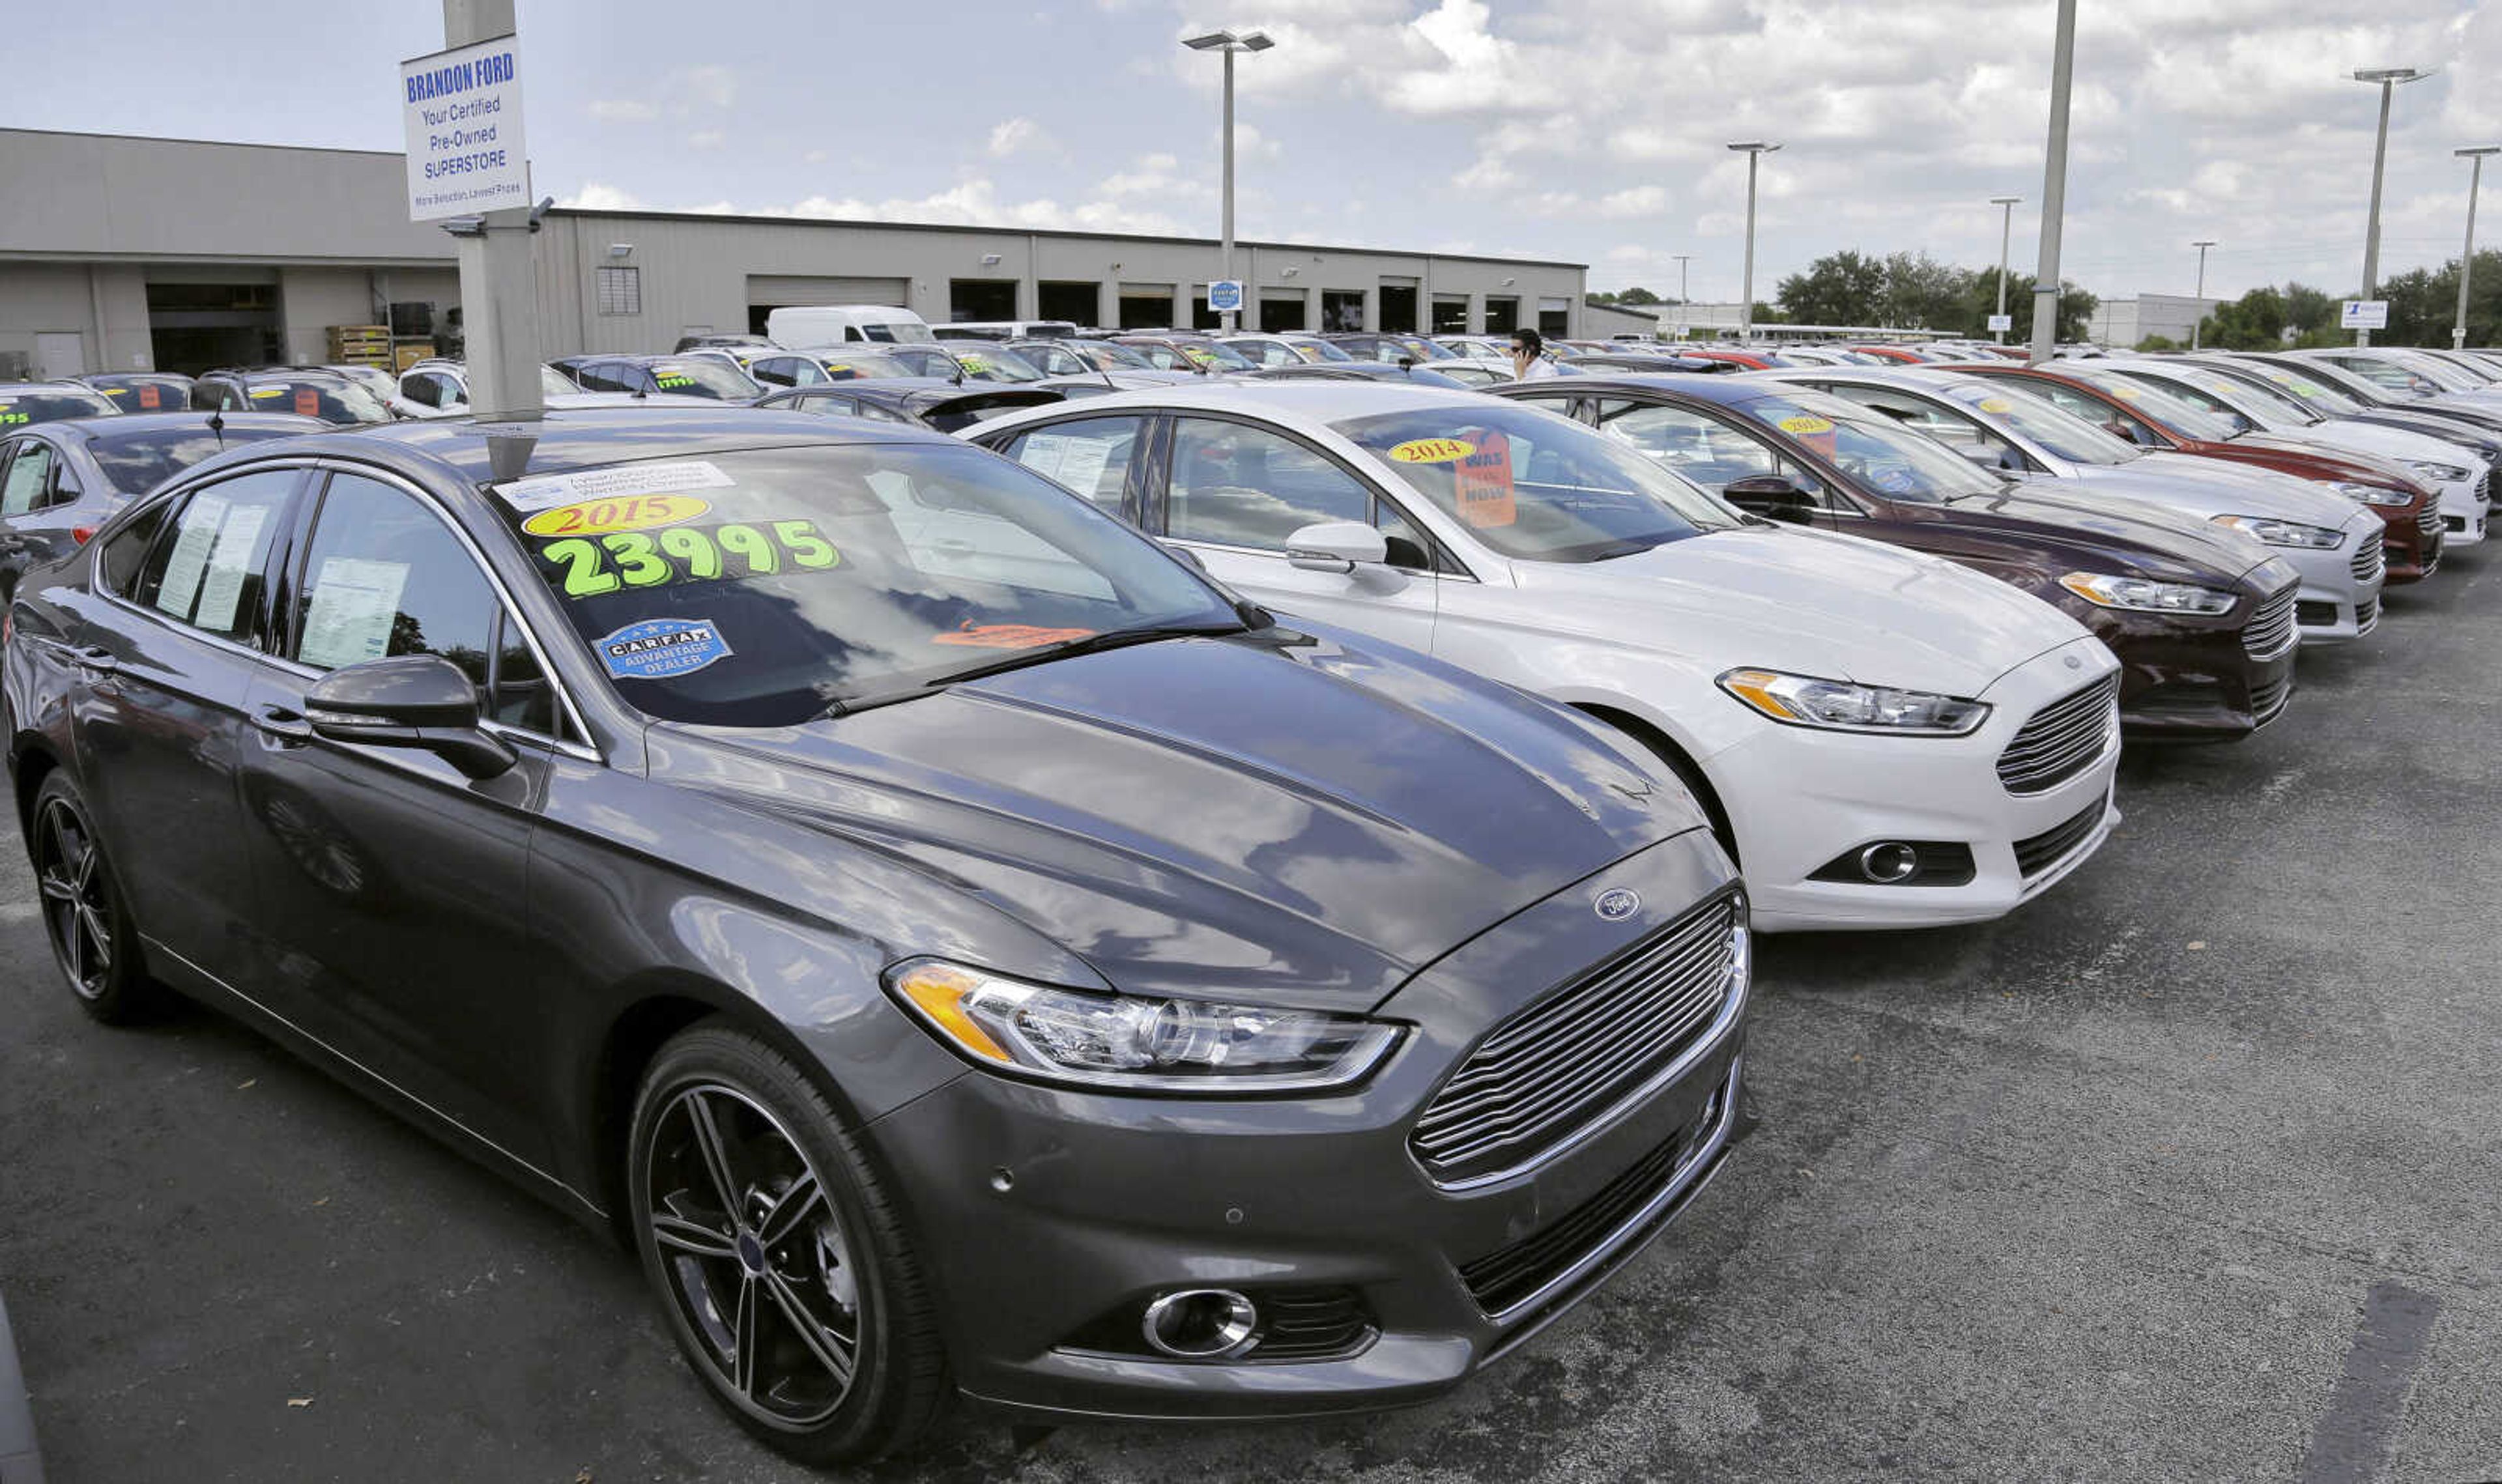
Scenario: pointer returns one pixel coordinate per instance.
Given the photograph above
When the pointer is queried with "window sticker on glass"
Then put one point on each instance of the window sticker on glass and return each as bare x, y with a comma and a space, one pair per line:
1804, 425
264, 393
1431, 450
671, 381
658, 649
354, 604
528, 495
685, 554
1995, 405
1072, 459
308, 402
148, 397
181, 585
599, 518
1482, 489
229, 563
1008, 636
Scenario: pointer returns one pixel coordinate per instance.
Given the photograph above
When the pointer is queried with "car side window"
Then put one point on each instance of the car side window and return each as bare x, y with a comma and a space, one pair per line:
421, 387
22, 488
1952, 428
1236, 484
775, 371
1704, 449
210, 569
448, 390
118, 563
2093, 410
1091, 456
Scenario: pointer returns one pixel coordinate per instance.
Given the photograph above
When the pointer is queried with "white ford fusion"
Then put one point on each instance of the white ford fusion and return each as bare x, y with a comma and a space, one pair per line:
1884, 739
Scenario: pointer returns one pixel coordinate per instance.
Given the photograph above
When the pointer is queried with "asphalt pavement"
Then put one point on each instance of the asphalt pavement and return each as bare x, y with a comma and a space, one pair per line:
2191, 1170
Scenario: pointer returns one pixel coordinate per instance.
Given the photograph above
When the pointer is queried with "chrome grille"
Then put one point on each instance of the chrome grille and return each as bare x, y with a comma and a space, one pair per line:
2271, 631
2428, 521
1562, 1064
2367, 613
2052, 846
2267, 701
2370, 565
2063, 740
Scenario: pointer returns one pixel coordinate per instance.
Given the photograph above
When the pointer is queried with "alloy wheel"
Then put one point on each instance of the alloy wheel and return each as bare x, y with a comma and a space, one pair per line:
755, 1255
77, 897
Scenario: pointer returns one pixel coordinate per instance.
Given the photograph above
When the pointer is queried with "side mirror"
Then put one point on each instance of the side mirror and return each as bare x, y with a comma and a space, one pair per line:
1337, 546
409, 701
1773, 496
2118, 429
2000, 456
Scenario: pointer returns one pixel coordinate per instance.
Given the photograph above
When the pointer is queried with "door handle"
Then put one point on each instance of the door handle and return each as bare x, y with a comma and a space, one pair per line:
96, 660
283, 723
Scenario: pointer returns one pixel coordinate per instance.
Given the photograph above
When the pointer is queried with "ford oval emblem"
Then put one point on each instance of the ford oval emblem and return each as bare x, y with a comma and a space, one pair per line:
2074, 663
1618, 904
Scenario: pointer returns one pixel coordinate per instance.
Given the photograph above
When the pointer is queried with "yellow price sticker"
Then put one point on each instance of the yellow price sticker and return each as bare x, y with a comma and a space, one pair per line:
599, 518
1995, 404
1804, 425
1431, 450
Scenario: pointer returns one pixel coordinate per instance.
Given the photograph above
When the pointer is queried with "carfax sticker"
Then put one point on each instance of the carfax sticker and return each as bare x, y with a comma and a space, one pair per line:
622, 482
1431, 450
663, 649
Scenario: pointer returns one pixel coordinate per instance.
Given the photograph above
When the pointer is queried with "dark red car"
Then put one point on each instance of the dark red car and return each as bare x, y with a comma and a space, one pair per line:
2153, 418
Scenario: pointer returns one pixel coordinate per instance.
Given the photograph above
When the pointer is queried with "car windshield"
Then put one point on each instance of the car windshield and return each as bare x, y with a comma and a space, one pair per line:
1535, 485
897, 332
139, 460
143, 393
1210, 354
1882, 455
1318, 351
842, 363
2266, 408
2061, 432
702, 376
553, 383
1109, 356
762, 588
987, 363
2158, 406
2327, 401
328, 398
2448, 376
19, 406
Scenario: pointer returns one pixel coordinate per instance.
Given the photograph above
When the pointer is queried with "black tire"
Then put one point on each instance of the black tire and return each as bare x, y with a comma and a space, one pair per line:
87, 919
779, 1280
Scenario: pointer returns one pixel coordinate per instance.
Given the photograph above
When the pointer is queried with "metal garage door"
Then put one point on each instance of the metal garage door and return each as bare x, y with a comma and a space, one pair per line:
772, 291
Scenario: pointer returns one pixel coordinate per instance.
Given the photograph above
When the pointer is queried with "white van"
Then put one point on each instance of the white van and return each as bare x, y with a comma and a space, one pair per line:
806, 326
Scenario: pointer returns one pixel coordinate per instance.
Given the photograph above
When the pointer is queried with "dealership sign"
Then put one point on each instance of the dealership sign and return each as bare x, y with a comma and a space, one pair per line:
1998, 322
1225, 295
2364, 314
461, 111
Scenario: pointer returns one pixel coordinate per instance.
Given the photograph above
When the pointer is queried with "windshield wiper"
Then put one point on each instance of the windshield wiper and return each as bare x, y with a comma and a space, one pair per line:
1117, 638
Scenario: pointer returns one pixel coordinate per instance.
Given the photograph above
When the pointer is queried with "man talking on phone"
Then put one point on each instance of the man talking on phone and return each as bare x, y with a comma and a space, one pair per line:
1529, 361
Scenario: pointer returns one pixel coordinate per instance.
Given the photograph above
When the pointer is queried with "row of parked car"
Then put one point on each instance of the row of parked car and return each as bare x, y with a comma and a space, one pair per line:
1183, 891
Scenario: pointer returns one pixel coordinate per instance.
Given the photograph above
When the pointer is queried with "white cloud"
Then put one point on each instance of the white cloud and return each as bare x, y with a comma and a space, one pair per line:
596, 197
622, 111
712, 87
1013, 136
1635, 201
707, 139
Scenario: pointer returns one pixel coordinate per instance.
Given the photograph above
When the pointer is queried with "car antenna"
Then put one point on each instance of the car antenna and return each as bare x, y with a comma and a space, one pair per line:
217, 425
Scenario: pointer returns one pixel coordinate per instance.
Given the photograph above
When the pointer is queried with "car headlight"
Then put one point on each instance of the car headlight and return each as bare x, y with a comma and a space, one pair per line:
1836, 705
1097, 1039
2438, 473
2318, 538
2370, 494
2137, 594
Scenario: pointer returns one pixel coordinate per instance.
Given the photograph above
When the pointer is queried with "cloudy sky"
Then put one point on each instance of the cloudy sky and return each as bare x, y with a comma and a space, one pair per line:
1589, 131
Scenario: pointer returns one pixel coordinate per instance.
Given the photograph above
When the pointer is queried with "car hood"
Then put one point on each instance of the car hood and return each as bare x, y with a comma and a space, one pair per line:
2244, 490
2388, 442
1280, 816
2335, 462
1809, 602
2061, 522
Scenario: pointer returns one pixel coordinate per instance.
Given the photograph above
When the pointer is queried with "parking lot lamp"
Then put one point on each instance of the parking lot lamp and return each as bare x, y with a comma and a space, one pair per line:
1229, 43
1683, 258
2198, 322
2005, 234
2055, 186
2475, 155
2388, 77
1754, 150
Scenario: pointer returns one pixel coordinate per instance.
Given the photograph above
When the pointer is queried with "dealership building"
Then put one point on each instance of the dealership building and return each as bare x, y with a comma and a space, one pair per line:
124, 253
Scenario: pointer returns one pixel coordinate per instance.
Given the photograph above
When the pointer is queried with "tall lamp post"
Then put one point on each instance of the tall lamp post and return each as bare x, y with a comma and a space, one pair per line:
2388, 77
1754, 150
1683, 258
2054, 185
2474, 153
2199, 322
1229, 43
2005, 234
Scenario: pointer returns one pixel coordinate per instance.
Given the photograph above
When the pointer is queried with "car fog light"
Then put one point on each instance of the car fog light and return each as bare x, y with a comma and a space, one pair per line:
1890, 861
1202, 1323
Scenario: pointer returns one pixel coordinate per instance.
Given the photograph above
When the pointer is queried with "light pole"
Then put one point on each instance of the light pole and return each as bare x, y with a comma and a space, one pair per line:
2006, 235
2200, 322
2054, 186
2474, 153
1754, 150
1229, 43
1683, 258
2388, 77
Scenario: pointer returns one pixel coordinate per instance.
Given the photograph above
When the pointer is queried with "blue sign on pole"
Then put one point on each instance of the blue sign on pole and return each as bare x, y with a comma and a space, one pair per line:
1225, 295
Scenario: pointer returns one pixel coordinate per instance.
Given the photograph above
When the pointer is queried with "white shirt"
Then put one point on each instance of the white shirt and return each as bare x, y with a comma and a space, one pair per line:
1540, 368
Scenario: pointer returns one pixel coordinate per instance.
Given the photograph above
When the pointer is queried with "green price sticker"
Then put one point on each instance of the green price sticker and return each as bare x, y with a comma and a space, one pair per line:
683, 553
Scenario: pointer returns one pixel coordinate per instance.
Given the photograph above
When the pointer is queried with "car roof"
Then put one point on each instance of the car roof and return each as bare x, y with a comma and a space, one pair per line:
1321, 400
587, 438
1725, 390
58, 384
116, 425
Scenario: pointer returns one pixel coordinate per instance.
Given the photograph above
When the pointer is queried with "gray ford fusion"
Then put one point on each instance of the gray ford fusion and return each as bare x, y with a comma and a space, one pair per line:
963, 950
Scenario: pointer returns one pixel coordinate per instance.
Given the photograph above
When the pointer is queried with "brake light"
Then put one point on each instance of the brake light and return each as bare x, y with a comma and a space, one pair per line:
82, 534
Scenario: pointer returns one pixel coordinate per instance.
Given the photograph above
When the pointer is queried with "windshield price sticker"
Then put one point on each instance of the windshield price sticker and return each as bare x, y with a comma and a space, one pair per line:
600, 518
528, 495
1009, 636
1431, 450
685, 554
1481, 488
669, 380
308, 402
1995, 404
2126, 393
1804, 425
263, 394
663, 649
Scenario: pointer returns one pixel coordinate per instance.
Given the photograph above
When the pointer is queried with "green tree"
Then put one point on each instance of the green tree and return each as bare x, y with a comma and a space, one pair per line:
1924, 293
1637, 295
1838, 289
1980, 301
2254, 321
2308, 309
2154, 344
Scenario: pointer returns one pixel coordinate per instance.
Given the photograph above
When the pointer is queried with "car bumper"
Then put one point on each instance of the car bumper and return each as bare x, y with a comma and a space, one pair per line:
2334, 604
2464, 510
1801, 800
1051, 1217
2414, 537
2181, 682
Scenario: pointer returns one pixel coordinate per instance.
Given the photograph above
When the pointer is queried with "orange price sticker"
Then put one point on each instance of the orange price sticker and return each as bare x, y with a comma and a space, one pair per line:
308, 402
149, 396
1008, 636
1481, 489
